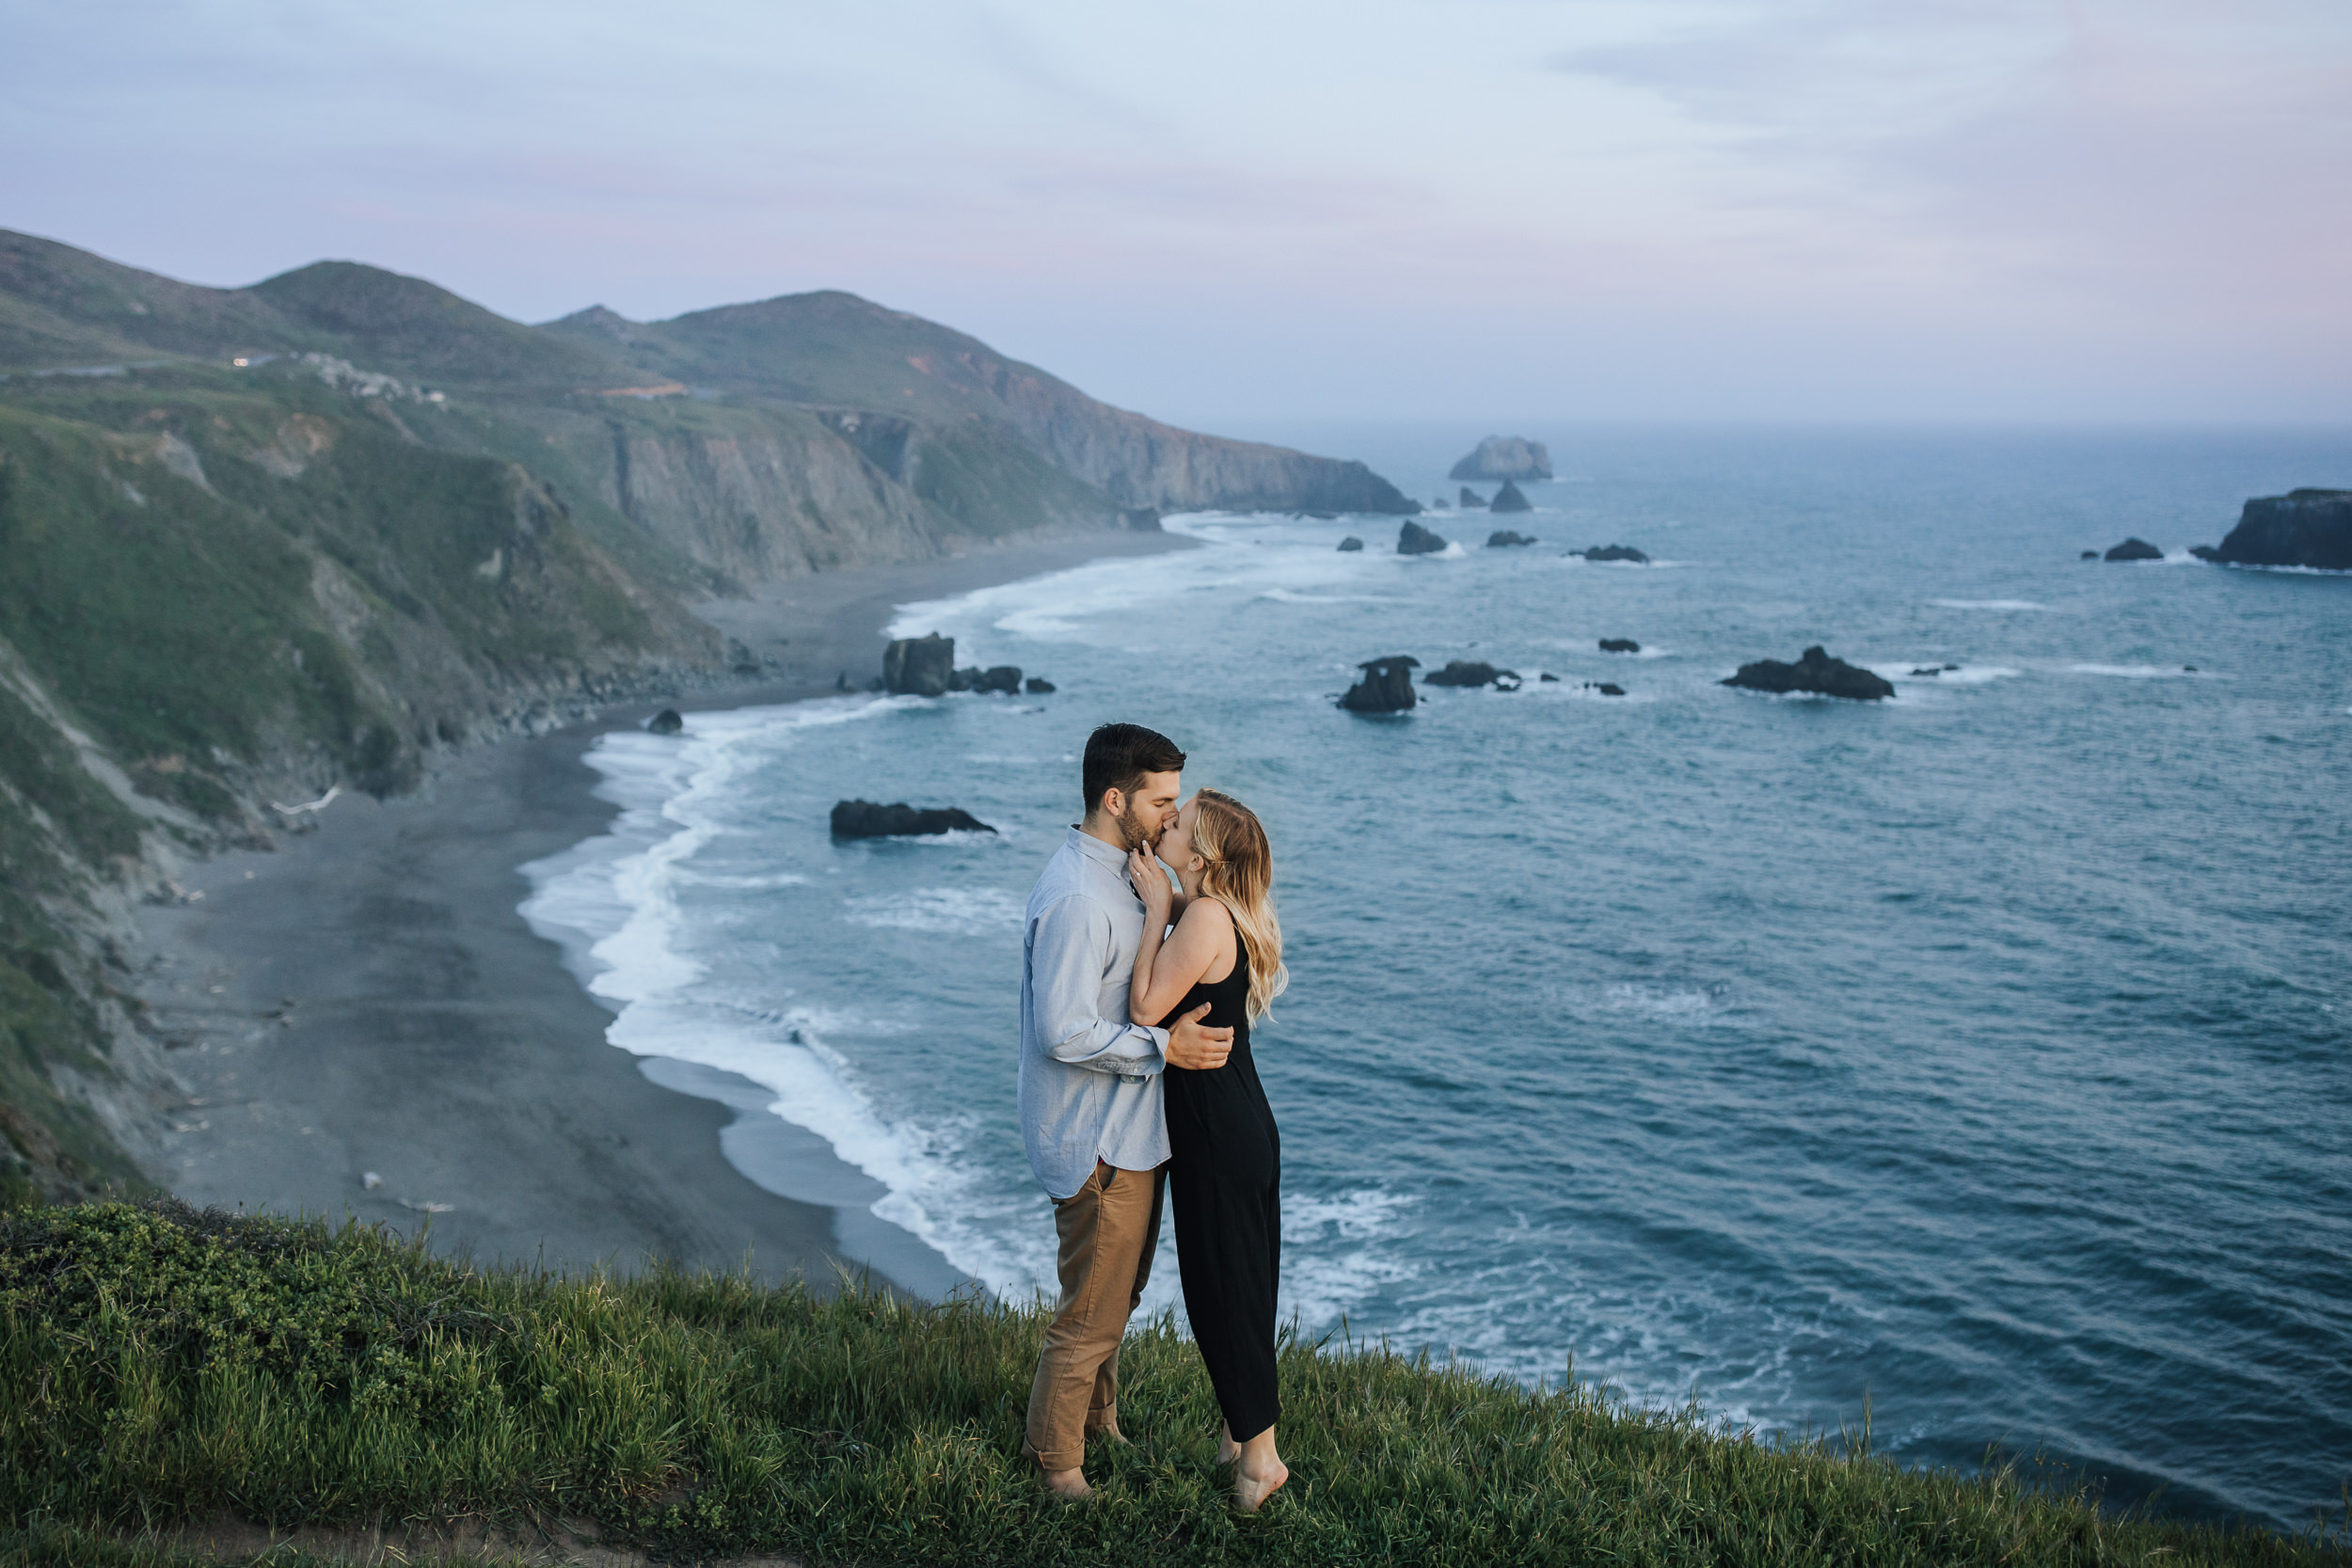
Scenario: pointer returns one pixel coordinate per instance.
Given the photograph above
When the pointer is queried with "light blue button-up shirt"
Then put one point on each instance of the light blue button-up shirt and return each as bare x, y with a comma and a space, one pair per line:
1089, 1079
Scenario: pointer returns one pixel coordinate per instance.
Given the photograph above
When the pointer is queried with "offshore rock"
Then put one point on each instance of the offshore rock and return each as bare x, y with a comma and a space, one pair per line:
1350, 544
1413, 539
919, 666
1463, 672
1609, 689
2134, 549
665, 722
1040, 686
1503, 536
2093, 555
1472, 498
1613, 552
1505, 457
1508, 499
1387, 685
1619, 645
1815, 670
1442, 505
2302, 528
1001, 677
865, 819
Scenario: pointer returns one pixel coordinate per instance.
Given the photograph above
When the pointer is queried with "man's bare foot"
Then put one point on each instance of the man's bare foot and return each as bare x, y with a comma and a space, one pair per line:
1255, 1479
1068, 1486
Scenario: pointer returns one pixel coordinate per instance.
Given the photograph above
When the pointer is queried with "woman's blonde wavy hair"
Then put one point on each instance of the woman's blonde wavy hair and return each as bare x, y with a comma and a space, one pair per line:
1239, 873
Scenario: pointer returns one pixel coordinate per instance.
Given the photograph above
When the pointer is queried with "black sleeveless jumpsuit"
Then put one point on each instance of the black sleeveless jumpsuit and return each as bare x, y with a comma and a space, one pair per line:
1226, 1169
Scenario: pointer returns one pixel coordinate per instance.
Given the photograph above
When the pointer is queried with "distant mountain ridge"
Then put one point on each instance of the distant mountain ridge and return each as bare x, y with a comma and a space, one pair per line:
830, 348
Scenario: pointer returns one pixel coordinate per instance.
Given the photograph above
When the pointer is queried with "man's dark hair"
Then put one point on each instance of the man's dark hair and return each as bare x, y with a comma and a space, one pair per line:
1118, 756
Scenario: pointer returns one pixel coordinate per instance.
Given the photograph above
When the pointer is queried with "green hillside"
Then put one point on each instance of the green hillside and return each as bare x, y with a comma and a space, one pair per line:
161, 1369
260, 541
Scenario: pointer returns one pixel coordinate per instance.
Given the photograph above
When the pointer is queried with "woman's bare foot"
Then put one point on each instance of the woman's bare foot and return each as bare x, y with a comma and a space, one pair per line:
1227, 1449
1257, 1472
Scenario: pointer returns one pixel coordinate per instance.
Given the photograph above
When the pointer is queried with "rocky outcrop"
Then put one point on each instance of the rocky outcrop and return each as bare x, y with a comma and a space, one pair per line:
2302, 528
865, 819
1413, 539
1509, 499
920, 665
1816, 672
1503, 537
665, 722
1461, 672
1039, 686
1619, 645
1387, 685
1472, 498
1505, 457
1613, 552
1350, 545
2134, 549
1002, 677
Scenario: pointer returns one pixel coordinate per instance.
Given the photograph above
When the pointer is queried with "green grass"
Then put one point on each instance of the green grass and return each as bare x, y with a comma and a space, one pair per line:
159, 1366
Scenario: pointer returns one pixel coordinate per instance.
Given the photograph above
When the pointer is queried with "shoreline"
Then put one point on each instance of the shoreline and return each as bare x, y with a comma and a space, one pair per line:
368, 998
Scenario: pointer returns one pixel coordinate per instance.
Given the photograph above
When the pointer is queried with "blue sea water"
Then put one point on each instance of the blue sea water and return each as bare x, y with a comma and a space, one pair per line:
1977, 1064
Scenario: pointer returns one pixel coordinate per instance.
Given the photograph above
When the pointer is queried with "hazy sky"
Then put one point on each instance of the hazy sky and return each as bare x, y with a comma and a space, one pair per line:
1228, 213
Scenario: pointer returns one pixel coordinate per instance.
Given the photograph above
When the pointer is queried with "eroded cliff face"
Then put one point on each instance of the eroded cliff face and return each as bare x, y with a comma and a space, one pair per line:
1141, 462
760, 506
756, 493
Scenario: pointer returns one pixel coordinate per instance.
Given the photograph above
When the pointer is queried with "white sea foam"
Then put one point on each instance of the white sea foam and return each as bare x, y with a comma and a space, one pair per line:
961, 910
1987, 604
612, 903
2138, 671
1967, 675
1335, 1253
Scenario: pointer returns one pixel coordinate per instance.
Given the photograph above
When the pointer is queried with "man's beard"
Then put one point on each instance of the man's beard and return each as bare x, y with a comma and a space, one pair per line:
1132, 831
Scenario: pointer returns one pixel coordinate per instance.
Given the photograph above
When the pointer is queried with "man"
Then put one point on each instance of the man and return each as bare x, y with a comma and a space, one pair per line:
1090, 1096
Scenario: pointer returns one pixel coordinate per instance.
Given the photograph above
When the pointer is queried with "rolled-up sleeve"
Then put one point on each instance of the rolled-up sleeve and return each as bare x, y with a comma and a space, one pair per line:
1070, 954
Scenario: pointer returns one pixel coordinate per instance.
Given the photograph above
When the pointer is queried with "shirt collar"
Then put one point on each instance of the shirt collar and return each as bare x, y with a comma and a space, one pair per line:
1096, 850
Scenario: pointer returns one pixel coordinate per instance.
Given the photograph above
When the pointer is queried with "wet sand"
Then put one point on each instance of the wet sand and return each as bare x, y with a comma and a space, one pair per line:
366, 999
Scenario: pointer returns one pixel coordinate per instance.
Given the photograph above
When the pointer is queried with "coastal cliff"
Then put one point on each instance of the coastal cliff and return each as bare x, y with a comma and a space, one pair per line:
834, 349
269, 541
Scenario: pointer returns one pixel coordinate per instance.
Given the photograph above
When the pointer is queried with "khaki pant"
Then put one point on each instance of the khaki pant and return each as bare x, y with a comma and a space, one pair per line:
1109, 1229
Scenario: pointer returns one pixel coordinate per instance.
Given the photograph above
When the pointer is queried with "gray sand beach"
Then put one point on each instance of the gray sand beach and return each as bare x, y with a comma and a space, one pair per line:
366, 999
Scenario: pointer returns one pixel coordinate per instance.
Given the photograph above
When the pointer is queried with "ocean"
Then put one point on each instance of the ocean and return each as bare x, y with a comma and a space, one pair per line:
1975, 1066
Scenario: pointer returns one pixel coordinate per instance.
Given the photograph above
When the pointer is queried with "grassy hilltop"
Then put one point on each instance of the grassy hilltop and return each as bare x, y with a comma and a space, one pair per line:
161, 1369
261, 542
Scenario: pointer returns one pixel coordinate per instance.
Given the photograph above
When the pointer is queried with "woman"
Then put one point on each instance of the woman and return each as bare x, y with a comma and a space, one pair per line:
1226, 1164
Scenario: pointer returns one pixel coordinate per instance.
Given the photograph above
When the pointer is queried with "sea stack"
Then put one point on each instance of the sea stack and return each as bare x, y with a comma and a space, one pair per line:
2302, 528
2134, 549
1813, 670
1413, 539
1387, 685
1509, 499
1472, 498
920, 665
1502, 538
1505, 457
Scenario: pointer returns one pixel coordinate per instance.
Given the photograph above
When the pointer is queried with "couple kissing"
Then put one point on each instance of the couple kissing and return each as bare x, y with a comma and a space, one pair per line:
1135, 1076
